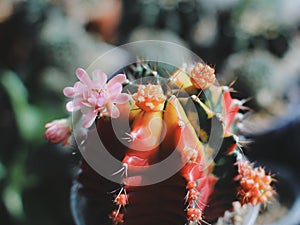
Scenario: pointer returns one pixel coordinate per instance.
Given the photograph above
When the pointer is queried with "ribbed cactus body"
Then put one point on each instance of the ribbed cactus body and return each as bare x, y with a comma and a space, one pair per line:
172, 111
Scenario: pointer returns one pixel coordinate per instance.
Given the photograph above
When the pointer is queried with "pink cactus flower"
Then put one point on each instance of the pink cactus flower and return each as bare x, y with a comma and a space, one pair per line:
96, 97
58, 131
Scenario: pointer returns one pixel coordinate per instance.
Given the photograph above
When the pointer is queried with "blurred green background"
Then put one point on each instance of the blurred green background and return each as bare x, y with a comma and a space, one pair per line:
256, 42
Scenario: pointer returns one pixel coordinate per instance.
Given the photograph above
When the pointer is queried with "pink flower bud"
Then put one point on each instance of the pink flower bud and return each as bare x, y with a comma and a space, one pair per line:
58, 131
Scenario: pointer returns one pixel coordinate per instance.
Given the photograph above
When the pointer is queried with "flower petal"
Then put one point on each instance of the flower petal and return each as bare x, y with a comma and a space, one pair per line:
79, 87
83, 77
120, 78
87, 104
74, 105
100, 77
120, 99
92, 100
100, 102
85, 109
115, 90
113, 111
69, 92
89, 119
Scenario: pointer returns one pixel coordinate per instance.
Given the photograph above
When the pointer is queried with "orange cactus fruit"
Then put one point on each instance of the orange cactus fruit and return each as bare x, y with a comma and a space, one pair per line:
146, 131
144, 139
149, 97
255, 185
147, 128
202, 76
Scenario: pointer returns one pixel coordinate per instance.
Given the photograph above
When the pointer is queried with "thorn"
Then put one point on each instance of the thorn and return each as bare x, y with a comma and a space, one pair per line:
167, 72
124, 169
232, 83
118, 211
246, 100
200, 92
155, 66
245, 108
112, 192
130, 138
240, 147
178, 92
129, 92
205, 222
186, 197
246, 142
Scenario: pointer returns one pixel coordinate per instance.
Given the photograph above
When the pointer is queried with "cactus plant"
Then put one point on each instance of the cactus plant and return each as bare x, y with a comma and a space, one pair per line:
172, 112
